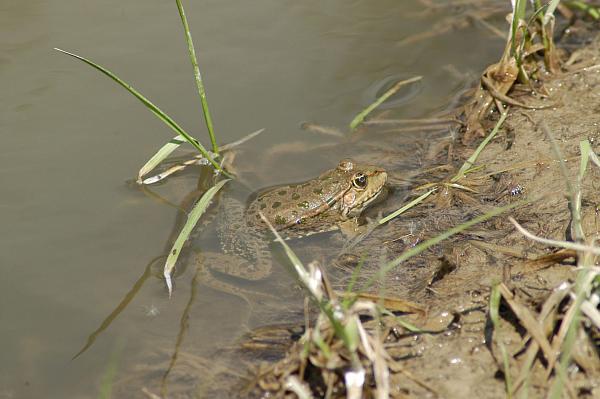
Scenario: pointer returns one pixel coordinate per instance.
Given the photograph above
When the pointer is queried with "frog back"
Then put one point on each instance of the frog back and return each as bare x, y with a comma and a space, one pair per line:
302, 206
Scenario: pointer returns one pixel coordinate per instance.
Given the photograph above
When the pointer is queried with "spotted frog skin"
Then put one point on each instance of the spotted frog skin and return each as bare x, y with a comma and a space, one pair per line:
322, 204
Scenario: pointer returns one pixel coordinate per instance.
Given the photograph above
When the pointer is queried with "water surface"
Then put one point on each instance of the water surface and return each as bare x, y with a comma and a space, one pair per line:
76, 237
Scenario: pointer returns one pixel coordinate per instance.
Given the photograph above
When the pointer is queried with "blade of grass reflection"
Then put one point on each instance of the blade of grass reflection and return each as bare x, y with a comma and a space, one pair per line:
110, 372
183, 328
137, 286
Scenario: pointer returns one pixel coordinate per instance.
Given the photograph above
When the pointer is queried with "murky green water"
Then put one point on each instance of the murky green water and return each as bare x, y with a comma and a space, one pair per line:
75, 237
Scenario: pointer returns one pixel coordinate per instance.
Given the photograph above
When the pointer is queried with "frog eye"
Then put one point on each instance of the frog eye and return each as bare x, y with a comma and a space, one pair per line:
359, 180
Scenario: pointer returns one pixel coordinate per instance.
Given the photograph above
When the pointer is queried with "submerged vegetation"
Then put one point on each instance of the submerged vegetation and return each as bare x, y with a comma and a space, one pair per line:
347, 349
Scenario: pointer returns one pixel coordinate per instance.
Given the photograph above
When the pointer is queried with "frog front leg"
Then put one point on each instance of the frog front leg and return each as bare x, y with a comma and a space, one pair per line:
350, 228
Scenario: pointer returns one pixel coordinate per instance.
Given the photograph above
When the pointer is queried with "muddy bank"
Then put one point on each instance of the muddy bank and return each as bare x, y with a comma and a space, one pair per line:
453, 280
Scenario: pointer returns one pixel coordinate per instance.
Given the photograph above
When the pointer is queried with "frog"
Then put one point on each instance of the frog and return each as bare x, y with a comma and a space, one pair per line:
332, 201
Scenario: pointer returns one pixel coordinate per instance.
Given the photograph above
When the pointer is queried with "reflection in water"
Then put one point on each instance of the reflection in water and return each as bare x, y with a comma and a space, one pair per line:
183, 328
137, 286
203, 182
205, 179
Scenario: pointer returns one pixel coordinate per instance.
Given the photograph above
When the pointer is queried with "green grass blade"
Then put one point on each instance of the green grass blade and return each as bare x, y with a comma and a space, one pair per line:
310, 285
403, 323
160, 156
576, 221
198, 78
518, 15
585, 150
507, 378
494, 307
592, 155
566, 351
583, 286
435, 240
193, 217
473, 158
118, 310
153, 108
172, 145
354, 276
406, 207
351, 329
323, 346
110, 372
363, 114
549, 14
589, 9
494, 311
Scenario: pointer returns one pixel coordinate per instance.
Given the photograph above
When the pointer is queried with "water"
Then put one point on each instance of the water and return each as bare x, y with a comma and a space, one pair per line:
75, 236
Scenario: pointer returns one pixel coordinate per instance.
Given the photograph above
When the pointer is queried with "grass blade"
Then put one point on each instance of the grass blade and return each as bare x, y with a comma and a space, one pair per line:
585, 148
110, 373
507, 379
193, 217
406, 207
588, 8
571, 323
549, 14
518, 16
363, 114
353, 280
198, 78
403, 323
153, 108
160, 156
435, 240
311, 286
494, 307
473, 158
108, 320
168, 148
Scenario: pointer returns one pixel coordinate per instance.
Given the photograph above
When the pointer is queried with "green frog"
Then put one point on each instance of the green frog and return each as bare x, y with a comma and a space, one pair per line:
329, 202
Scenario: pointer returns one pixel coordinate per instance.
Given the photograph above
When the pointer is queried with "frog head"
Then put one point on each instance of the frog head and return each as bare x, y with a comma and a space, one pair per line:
364, 184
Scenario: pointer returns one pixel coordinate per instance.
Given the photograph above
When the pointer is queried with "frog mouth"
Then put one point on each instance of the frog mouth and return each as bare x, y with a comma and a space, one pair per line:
371, 198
